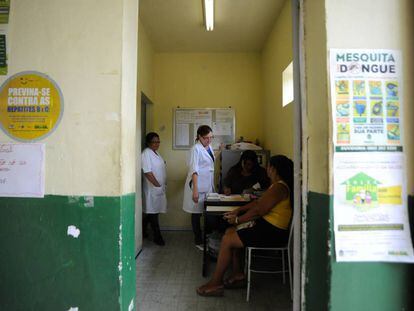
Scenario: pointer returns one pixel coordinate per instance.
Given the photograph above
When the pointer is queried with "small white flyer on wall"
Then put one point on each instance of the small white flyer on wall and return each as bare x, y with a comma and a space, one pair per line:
366, 97
370, 207
22, 170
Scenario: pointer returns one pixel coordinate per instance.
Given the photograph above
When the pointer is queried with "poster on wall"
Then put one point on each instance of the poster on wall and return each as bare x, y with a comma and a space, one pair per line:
370, 207
187, 120
366, 99
31, 106
22, 170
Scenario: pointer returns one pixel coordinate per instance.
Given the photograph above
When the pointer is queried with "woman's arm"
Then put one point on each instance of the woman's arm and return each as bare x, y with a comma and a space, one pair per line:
151, 178
234, 213
194, 180
275, 194
193, 170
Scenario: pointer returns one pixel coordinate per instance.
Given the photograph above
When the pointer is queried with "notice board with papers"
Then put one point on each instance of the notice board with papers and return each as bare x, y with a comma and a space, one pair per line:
187, 120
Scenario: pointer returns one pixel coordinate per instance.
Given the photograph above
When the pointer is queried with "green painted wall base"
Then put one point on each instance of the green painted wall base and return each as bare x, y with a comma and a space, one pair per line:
317, 262
44, 268
350, 286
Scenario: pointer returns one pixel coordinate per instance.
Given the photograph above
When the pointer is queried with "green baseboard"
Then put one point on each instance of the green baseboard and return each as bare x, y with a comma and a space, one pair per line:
317, 252
44, 268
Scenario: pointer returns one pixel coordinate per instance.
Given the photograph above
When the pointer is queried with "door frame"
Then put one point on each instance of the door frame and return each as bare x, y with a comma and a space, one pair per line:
300, 156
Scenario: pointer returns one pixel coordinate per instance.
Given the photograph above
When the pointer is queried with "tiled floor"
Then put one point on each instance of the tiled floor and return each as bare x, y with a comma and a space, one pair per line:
167, 278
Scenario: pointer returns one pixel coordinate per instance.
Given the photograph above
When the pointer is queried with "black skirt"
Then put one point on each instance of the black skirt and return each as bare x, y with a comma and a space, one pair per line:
263, 234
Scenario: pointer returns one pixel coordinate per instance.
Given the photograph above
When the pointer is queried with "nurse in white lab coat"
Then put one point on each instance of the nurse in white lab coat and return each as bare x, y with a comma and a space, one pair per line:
154, 182
200, 179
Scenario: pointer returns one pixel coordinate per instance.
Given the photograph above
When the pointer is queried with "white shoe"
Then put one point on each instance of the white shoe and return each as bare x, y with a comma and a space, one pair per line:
200, 247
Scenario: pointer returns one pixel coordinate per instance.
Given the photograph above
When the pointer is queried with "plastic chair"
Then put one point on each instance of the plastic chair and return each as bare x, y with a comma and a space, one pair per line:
283, 250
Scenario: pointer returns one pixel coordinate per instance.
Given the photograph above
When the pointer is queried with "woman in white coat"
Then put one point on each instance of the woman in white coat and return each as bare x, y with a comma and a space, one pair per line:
154, 181
200, 179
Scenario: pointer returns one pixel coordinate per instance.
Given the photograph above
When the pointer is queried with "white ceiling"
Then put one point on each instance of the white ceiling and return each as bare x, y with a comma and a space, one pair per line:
239, 25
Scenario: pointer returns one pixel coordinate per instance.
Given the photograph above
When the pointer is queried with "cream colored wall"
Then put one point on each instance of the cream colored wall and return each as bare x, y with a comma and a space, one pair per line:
82, 50
379, 24
145, 63
276, 56
203, 80
316, 117
129, 95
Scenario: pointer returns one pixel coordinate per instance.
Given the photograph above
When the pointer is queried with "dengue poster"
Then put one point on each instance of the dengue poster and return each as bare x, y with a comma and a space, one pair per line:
22, 170
370, 207
366, 97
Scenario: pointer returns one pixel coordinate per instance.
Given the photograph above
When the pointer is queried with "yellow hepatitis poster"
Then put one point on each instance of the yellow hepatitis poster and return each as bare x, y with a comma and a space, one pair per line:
31, 106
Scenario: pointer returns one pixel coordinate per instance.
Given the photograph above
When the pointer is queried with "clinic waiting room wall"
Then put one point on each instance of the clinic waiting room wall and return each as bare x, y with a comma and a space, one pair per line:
276, 56
203, 80
42, 267
348, 286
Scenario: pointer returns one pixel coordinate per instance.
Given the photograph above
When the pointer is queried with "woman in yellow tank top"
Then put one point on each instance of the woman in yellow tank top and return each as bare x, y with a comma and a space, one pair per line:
269, 219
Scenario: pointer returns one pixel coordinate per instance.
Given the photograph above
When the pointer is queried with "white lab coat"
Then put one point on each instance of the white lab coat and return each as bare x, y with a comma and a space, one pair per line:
199, 161
155, 199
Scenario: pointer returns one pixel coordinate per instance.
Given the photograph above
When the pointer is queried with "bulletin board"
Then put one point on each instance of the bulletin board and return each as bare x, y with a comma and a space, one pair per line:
187, 121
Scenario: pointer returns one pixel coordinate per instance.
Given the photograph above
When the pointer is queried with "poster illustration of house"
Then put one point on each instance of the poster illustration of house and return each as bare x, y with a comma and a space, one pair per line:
362, 190
370, 207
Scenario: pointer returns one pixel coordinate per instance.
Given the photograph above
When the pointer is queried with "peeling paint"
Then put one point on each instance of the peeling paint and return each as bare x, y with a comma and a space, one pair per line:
131, 305
73, 309
120, 254
73, 199
89, 201
120, 238
73, 231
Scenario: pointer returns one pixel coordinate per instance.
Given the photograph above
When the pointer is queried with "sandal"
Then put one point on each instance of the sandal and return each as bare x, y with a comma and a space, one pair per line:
234, 283
216, 291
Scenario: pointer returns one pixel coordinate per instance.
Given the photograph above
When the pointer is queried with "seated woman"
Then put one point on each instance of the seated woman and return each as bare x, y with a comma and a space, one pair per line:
271, 214
246, 173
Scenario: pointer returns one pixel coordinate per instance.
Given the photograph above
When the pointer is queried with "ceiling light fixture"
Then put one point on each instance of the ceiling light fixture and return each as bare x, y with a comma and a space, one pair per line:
209, 14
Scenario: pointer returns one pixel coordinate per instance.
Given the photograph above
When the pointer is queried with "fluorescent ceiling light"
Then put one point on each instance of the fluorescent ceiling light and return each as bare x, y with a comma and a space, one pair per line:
209, 14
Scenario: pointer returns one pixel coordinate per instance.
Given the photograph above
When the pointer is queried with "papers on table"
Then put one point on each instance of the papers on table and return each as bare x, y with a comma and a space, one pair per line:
227, 198
220, 208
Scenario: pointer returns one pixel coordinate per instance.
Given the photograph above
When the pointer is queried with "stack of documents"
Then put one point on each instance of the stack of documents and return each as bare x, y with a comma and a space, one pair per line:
227, 198
213, 196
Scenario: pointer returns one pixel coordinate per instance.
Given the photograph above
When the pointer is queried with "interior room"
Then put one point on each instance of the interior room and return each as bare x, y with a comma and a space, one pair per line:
68, 234
242, 64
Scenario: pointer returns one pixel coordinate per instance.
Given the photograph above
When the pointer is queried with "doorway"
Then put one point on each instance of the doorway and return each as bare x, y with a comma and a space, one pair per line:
209, 79
145, 126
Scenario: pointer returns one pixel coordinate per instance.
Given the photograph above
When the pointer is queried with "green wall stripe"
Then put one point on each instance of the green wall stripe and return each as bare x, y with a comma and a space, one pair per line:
128, 273
42, 268
317, 257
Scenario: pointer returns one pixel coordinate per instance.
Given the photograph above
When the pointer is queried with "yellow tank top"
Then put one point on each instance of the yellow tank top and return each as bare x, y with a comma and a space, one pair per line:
279, 216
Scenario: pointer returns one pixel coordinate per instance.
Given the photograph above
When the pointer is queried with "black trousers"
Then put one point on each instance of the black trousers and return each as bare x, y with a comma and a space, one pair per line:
151, 219
195, 224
